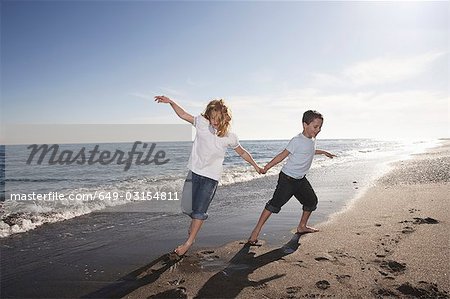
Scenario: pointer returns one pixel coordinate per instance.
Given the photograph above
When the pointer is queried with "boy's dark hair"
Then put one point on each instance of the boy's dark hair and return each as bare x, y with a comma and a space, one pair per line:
311, 115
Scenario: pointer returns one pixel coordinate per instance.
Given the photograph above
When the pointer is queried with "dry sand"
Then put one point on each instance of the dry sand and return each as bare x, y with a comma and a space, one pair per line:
393, 242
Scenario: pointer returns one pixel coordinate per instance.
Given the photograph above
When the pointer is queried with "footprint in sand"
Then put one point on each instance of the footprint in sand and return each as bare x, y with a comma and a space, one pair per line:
427, 220
424, 290
208, 255
405, 221
324, 258
329, 258
393, 267
293, 290
384, 248
408, 230
300, 264
416, 221
323, 284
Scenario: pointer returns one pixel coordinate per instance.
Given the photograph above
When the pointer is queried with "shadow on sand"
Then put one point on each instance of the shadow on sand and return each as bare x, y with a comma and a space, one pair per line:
138, 278
229, 282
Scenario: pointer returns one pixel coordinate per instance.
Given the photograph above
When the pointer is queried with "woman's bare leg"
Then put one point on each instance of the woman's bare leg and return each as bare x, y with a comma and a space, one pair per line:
196, 224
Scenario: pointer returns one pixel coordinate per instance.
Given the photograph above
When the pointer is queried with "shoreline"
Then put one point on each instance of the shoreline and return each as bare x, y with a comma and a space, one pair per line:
385, 170
392, 241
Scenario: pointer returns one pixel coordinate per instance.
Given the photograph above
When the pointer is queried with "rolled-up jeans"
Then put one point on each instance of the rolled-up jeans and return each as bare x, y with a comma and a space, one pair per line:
287, 187
198, 192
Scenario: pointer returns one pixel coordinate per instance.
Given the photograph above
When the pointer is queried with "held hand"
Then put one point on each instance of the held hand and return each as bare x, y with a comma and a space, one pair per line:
258, 169
266, 169
261, 171
163, 99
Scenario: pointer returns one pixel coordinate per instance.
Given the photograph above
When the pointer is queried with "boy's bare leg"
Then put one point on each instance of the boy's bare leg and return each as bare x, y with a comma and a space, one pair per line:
262, 219
302, 227
196, 224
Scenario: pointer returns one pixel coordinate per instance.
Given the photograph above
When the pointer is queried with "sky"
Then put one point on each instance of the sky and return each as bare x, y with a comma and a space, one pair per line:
373, 69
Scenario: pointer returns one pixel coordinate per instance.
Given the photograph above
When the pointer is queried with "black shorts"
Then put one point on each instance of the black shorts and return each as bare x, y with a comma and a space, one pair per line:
288, 187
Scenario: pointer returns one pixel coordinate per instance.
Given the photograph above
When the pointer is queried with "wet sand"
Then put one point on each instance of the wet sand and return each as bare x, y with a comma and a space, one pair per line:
393, 242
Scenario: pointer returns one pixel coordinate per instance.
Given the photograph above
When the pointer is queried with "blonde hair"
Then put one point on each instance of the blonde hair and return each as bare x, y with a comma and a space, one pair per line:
222, 112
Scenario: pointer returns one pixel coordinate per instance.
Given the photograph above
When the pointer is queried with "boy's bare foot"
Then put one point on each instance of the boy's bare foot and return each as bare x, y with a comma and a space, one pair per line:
306, 230
253, 240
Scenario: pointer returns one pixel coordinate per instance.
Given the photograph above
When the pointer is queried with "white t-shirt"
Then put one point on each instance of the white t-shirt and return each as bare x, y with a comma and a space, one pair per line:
208, 150
302, 150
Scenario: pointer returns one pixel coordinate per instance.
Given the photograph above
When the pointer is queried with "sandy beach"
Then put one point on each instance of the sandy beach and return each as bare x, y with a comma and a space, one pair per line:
392, 242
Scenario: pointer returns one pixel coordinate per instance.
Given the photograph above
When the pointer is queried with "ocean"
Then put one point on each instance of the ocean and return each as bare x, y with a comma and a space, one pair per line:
117, 220
115, 187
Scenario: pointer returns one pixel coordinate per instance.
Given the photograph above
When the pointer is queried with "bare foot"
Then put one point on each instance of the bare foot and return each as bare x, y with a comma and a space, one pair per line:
253, 238
306, 230
182, 249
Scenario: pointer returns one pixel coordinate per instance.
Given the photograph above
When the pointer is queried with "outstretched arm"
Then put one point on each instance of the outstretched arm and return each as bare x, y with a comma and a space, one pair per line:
322, 152
247, 157
178, 110
277, 159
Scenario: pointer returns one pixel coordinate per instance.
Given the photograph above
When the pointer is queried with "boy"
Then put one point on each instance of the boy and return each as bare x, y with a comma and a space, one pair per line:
292, 181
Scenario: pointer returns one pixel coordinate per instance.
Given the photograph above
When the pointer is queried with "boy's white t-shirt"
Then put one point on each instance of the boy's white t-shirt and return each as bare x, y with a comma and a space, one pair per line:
208, 150
302, 150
